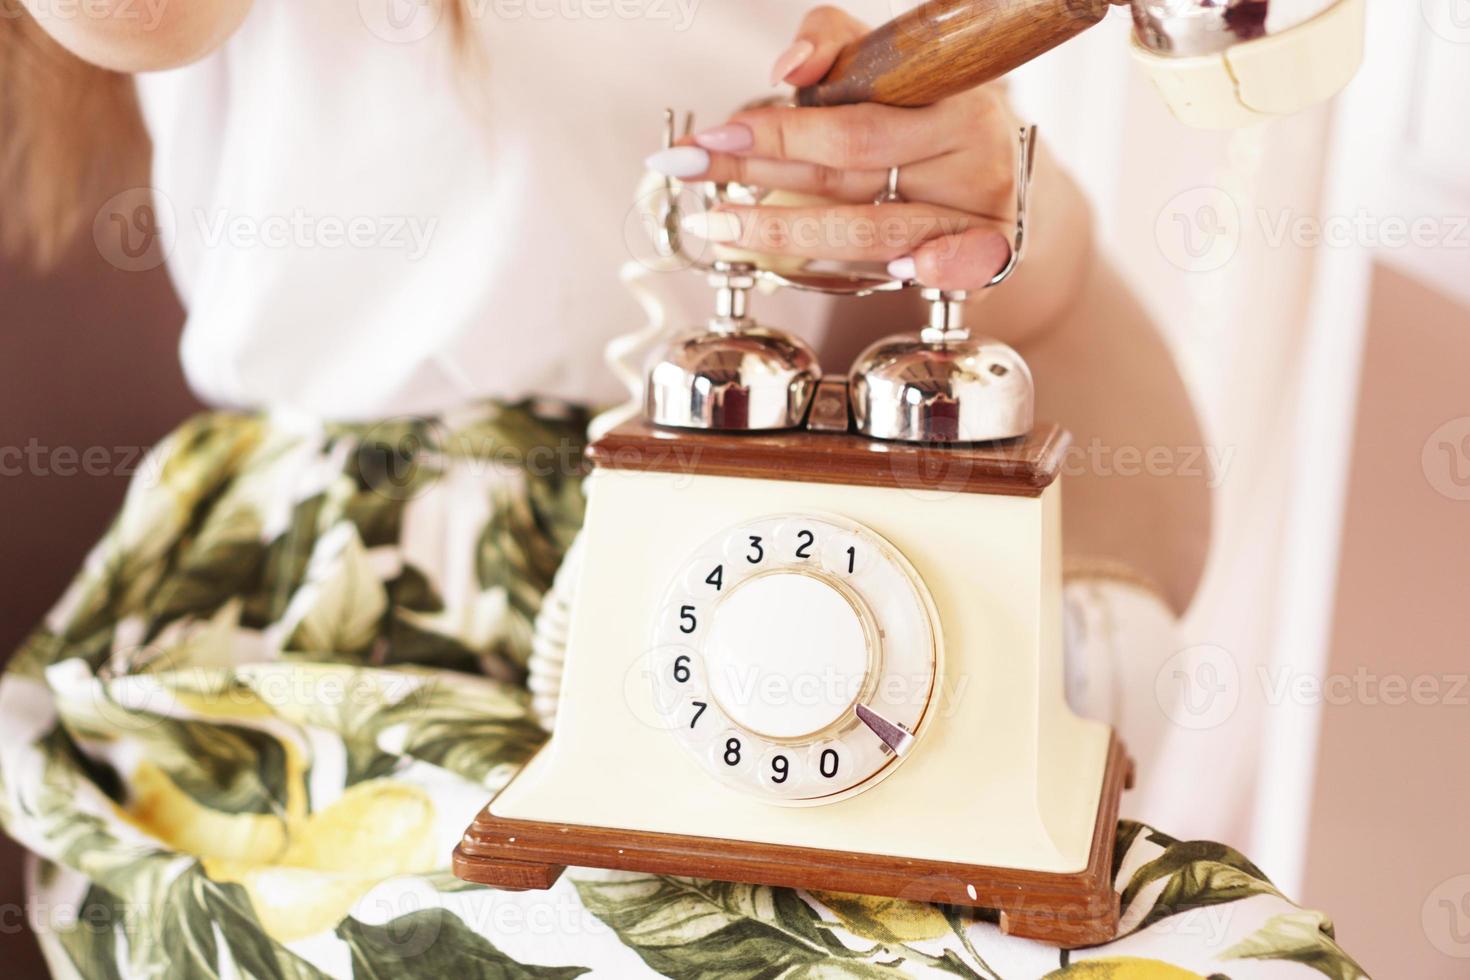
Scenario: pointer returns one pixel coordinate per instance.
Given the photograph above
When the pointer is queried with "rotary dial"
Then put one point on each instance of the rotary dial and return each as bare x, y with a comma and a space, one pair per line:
795, 657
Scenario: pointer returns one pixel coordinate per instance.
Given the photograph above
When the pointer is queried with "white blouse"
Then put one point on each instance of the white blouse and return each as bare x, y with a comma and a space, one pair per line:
362, 225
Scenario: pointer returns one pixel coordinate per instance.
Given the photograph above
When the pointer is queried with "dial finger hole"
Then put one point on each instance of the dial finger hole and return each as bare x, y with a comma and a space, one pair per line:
682, 622
799, 542
751, 548
706, 577
846, 554
678, 673
828, 762
781, 771
697, 719
733, 753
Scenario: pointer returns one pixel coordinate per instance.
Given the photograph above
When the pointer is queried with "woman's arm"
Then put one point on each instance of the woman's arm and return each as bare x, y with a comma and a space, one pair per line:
1138, 477
139, 35
1137, 480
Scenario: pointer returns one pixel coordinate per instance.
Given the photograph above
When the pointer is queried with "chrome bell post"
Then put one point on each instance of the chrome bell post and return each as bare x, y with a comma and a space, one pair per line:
734, 375
942, 384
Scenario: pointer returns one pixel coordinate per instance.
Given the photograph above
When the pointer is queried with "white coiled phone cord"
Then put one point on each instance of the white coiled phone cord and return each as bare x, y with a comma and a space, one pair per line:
624, 356
549, 641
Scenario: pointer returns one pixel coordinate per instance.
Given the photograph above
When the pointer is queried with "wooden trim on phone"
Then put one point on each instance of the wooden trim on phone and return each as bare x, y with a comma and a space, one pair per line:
1078, 909
1022, 467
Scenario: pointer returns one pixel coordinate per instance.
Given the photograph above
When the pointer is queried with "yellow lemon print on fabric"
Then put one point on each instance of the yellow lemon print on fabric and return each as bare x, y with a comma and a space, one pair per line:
1122, 968
159, 807
885, 920
304, 872
378, 830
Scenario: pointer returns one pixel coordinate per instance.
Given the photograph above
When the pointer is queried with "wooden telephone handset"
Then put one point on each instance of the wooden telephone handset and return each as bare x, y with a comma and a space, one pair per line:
944, 47
1217, 63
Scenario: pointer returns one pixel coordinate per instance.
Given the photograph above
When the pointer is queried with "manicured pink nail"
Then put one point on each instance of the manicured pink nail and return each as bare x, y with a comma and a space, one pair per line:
791, 59
905, 268
729, 138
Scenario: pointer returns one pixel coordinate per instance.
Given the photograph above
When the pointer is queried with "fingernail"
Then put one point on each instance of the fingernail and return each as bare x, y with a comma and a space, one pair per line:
729, 138
712, 226
905, 268
679, 161
791, 59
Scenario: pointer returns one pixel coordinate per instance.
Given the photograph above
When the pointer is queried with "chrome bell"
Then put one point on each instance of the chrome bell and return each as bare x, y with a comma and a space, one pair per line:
732, 375
942, 385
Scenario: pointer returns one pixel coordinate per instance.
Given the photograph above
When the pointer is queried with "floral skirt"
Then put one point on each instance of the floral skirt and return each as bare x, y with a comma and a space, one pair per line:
248, 737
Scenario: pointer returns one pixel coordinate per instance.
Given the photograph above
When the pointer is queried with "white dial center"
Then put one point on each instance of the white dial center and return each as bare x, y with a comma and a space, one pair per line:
786, 655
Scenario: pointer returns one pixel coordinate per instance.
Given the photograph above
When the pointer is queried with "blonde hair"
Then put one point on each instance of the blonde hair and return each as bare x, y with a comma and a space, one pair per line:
71, 135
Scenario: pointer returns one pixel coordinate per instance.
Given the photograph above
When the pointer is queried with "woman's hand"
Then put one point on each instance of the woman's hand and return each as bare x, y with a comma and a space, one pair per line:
956, 176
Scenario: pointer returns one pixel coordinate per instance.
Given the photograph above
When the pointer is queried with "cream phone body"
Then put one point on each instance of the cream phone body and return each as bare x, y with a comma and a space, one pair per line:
816, 637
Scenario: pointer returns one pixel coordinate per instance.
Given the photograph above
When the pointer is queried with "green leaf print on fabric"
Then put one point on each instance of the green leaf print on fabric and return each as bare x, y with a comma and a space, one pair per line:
410, 643
340, 606
1198, 874
1125, 968
1303, 937
1128, 833
435, 944
91, 943
285, 563
197, 929
710, 930
474, 728
518, 558
222, 562
230, 768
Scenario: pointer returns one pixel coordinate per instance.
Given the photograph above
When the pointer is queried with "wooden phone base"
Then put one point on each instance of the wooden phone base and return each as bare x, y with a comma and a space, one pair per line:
1078, 909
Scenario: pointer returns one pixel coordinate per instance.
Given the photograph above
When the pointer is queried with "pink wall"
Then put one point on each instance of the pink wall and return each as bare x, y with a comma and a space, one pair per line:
1389, 851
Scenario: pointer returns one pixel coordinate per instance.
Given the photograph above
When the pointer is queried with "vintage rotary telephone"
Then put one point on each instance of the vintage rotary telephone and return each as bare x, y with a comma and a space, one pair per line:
817, 636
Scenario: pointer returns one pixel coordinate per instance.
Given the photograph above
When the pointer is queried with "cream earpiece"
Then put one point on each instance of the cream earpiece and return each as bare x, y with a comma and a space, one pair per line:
1249, 81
